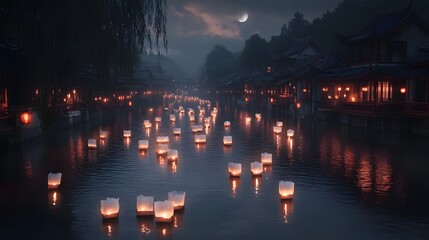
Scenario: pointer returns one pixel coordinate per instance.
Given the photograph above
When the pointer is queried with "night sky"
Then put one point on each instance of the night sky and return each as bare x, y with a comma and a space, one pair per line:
195, 26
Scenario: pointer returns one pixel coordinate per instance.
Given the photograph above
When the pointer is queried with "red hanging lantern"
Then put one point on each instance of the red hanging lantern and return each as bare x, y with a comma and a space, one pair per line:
25, 118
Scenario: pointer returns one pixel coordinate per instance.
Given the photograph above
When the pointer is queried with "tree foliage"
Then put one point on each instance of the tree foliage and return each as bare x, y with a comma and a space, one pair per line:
220, 62
255, 52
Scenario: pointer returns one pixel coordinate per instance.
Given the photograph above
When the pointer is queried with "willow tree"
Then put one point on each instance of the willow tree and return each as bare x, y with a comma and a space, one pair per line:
57, 38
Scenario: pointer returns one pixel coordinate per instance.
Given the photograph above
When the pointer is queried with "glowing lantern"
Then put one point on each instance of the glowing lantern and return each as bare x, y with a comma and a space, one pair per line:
227, 124
256, 168
162, 139
178, 199
181, 109
290, 132
279, 124
150, 109
157, 119
110, 208
127, 133
130, 103
403, 90
177, 131
25, 118
164, 211
103, 134
207, 124
266, 158
172, 154
143, 144
147, 124
277, 129
286, 189
166, 109
192, 118
92, 143
258, 116
144, 205
227, 140
197, 128
172, 117
54, 180
248, 119
200, 138
161, 149
234, 169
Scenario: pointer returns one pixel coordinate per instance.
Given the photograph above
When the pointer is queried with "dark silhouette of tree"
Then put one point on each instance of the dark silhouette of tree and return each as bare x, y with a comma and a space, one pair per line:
220, 62
255, 52
298, 26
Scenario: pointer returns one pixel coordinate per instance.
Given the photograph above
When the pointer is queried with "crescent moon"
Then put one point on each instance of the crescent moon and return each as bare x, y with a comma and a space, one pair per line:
242, 17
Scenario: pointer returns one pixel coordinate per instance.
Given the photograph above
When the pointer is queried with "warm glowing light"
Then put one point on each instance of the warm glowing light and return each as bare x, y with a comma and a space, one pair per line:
258, 116
197, 128
54, 180
200, 138
234, 169
279, 124
127, 133
256, 168
172, 117
304, 90
353, 99
364, 89
177, 131
25, 118
347, 89
324, 89
110, 208
144, 205
147, 124
178, 199
266, 158
277, 129
290, 132
227, 140
403, 90
143, 144
164, 211
54, 198
339, 89
161, 149
130, 103
103, 134
157, 119
286, 189
150, 109
298, 105
92, 143
162, 139
227, 124
172, 154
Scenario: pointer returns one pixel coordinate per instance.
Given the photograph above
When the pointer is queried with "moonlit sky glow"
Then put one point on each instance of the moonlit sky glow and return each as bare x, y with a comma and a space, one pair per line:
195, 26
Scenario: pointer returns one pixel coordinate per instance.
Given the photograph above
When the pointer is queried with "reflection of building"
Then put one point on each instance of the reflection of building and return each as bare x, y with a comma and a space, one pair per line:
384, 74
148, 75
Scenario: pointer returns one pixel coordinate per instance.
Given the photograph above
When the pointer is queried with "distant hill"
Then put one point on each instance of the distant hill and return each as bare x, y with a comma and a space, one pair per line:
170, 67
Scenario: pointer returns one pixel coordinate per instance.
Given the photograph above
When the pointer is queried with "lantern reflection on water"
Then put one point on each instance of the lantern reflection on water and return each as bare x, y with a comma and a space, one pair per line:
172, 154
127, 133
178, 199
277, 129
234, 169
200, 138
266, 158
256, 168
110, 208
54, 180
143, 144
227, 140
164, 211
92, 143
286, 189
144, 205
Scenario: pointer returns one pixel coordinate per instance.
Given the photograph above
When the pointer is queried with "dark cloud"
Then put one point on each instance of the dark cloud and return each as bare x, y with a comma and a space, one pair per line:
195, 26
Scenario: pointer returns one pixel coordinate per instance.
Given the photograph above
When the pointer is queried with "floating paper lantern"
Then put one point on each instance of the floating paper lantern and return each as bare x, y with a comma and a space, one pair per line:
207, 119
103, 134
144, 205
279, 124
214, 114
147, 124
172, 154
286, 189
172, 117
157, 119
200, 138
143, 144
258, 116
166, 109
177, 131
54, 180
92, 143
197, 128
277, 129
162, 139
161, 149
290, 132
192, 118
150, 109
110, 208
178, 199
234, 169
127, 133
266, 158
164, 211
256, 168
181, 109
227, 140
227, 124
248, 119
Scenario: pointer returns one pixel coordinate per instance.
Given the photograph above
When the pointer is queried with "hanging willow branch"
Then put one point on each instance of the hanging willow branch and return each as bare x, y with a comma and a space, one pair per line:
58, 38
